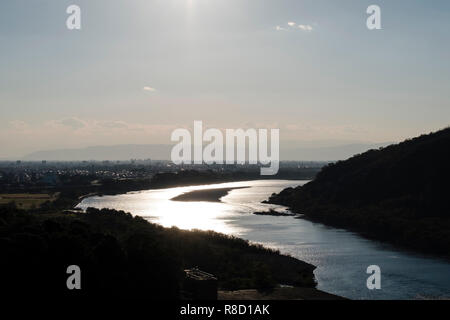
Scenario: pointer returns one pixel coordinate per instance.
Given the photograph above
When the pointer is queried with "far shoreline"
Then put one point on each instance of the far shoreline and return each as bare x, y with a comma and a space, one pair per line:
208, 195
73, 197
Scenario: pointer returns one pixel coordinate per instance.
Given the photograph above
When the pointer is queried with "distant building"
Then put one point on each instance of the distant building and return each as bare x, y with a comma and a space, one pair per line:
200, 285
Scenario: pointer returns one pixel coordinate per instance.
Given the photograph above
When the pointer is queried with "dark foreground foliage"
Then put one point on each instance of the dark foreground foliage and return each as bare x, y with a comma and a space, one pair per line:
399, 193
124, 256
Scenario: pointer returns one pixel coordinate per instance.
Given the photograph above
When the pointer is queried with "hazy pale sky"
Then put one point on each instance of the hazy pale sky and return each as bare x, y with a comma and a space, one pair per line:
139, 69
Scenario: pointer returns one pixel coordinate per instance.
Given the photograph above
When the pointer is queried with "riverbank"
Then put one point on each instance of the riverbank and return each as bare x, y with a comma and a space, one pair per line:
210, 195
274, 213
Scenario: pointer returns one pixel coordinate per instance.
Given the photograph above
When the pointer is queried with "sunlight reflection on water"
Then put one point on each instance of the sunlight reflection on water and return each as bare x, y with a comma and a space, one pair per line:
156, 206
341, 256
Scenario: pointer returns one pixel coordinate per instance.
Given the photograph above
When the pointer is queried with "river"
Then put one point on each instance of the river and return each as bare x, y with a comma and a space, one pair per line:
341, 257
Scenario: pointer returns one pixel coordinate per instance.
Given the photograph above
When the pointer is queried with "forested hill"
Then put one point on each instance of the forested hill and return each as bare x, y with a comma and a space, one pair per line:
399, 193
122, 256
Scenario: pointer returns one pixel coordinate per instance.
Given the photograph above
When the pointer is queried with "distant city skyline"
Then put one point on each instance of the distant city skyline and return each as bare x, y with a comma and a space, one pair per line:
137, 70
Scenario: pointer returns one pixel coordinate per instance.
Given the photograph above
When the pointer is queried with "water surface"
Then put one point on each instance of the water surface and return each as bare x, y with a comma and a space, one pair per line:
341, 257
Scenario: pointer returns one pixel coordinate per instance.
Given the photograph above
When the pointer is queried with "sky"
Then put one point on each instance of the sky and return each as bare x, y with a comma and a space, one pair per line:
139, 69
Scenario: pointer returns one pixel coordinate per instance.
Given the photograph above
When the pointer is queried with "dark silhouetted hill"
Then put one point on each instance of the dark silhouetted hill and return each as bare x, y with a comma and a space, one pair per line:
399, 193
124, 256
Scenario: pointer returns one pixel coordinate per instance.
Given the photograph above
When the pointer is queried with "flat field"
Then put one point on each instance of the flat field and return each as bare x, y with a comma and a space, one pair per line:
27, 200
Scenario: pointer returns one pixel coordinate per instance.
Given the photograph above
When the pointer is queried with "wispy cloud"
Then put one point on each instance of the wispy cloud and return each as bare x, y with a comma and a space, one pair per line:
293, 26
305, 27
19, 125
280, 28
149, 89
72, 123
113, 124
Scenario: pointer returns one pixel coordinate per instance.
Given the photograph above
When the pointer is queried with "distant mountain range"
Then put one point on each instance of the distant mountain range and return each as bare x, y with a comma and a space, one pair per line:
162, 152
327, 153
98, 153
